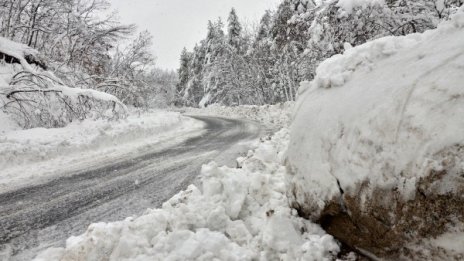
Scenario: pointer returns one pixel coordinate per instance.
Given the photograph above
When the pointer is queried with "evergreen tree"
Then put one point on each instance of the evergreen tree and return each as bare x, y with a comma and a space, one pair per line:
234, 30
264, 26
214, 40
290, 43
261, 58
280, 23
195, 91
183, 74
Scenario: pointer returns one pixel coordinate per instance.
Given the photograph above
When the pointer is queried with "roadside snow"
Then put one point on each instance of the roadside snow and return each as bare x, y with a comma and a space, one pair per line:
35, 153
272, 116
7, 124
379, 114
237, 214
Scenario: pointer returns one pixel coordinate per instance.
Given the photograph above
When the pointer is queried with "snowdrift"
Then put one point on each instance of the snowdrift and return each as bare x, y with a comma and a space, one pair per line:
236, 214
272, 116
35, 154
377, 143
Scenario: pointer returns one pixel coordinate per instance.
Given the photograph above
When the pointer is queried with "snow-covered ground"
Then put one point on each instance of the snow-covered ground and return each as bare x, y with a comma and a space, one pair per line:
28, 156
236, 214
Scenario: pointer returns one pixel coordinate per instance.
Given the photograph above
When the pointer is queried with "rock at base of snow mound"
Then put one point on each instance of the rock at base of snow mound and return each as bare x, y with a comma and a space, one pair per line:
377, 144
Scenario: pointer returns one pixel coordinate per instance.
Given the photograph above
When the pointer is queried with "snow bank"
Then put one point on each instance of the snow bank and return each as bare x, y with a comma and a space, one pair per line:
238, 214
378, 135
7, 124
273, 116
400, 101
21, 148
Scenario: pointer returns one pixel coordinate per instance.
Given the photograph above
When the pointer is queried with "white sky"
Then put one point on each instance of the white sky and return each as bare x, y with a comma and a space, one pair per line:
178, 23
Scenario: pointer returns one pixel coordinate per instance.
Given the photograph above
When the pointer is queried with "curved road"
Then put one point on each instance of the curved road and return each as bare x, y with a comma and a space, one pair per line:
44, 215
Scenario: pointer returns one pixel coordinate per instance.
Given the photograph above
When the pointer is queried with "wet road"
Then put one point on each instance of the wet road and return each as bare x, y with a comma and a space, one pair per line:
41, 216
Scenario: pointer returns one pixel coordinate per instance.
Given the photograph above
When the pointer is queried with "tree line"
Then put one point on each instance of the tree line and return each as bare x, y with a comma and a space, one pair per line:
265, 64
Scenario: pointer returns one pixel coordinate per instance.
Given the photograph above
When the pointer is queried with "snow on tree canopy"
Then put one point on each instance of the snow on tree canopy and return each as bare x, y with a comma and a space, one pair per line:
21, 51
349, 5
17, 51
234, 29
34, 97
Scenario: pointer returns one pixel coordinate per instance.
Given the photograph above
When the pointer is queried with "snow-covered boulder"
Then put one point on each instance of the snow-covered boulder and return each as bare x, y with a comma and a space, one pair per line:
377, 144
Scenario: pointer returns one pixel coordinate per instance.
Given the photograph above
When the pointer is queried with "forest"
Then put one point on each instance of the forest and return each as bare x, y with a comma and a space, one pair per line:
239, 64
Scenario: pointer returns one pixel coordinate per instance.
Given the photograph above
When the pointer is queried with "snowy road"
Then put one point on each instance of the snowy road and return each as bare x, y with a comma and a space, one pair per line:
41, 216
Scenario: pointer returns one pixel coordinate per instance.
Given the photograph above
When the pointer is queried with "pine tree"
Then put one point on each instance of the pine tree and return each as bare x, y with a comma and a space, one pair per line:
183, 74
301, 6
214, 40
280, 24
195, 91
234, 30
290, 43
264, 26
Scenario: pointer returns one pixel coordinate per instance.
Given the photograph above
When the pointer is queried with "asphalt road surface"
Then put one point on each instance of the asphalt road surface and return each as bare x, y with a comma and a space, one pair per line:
44, 215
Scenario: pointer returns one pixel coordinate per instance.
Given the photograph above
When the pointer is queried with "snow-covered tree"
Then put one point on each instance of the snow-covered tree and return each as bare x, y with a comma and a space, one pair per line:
162, 86
125, 75
280, 23
74, 33
195, 91
234, 30
264, 28
183, 74
290, 42
35, 97
77, 42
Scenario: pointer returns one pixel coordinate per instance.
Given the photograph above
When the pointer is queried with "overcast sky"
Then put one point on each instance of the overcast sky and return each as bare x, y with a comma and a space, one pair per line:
178, 23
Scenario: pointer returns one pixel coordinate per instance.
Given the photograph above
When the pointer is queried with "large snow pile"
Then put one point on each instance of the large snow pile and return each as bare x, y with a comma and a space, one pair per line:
384, 116
21, 148
273, 116
237, 214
